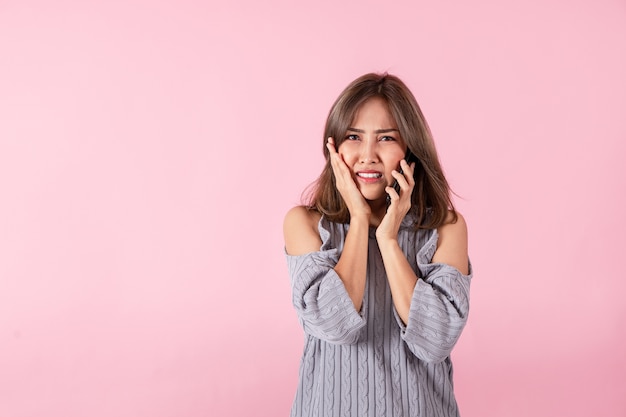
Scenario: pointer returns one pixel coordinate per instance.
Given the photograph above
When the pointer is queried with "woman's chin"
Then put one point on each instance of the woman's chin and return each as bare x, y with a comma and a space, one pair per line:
373, 195
375, 198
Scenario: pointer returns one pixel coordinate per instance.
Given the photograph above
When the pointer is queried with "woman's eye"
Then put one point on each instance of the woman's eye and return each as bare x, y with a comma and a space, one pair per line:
352, 137
387, 138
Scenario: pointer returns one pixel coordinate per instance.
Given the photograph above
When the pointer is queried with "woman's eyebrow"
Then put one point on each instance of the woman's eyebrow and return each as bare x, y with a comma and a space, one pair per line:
352, 129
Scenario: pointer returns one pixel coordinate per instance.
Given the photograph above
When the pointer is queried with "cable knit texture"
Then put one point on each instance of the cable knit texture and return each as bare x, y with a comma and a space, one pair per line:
369, 363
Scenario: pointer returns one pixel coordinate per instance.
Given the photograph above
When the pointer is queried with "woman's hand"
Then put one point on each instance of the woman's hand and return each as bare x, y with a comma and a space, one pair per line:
400, 203
345, 184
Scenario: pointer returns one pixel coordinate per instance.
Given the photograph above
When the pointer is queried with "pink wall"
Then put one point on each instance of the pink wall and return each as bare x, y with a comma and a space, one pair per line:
149, 150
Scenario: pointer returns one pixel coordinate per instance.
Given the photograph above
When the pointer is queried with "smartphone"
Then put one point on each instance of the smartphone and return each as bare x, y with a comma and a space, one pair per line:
408, 158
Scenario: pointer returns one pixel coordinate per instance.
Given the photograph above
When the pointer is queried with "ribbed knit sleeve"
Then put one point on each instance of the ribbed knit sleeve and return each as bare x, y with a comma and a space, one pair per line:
439, 307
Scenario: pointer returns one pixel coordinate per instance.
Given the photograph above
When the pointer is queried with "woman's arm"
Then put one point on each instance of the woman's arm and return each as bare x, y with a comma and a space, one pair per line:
302, 236
352, 264
433, 308
323, 299
451, 250
400, 275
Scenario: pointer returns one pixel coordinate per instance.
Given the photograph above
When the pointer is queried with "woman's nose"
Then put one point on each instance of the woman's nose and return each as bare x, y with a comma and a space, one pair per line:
369, 153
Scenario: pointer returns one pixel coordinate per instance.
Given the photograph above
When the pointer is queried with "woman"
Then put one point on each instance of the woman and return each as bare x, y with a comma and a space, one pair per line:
378, 263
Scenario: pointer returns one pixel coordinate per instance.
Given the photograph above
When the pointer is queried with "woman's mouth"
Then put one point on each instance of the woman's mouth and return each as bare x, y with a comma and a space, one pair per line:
369, 176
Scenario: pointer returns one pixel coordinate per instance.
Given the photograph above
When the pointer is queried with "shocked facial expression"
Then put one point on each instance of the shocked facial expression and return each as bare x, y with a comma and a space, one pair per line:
373, 148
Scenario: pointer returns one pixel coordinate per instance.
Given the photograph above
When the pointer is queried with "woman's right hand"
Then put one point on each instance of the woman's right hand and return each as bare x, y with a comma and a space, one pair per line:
345, 184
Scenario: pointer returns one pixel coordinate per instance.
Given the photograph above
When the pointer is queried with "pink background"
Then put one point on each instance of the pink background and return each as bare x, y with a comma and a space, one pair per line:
149, 150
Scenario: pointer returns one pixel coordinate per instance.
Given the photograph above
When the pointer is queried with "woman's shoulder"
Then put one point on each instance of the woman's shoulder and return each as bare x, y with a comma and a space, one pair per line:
455, 223
303, 214
452, 242
300, 230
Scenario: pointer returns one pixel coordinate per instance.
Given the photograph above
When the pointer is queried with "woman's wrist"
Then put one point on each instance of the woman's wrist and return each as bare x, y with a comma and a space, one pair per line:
385, 241
360, 218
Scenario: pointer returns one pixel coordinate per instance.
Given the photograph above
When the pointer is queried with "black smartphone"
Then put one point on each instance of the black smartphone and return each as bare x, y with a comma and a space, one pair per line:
408, 158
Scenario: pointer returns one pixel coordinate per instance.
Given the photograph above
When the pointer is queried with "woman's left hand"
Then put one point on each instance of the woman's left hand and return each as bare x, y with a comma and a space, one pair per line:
400, 203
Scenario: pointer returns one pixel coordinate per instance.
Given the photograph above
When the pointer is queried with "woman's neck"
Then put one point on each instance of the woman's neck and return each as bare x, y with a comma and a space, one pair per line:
379, 209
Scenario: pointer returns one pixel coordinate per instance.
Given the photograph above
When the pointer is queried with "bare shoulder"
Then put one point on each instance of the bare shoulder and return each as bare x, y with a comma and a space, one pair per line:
301, 232
452, 244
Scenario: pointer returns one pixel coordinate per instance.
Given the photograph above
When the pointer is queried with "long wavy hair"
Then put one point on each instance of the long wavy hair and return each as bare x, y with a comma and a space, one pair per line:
430, 202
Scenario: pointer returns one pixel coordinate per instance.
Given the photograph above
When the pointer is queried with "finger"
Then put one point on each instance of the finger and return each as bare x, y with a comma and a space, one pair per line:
406, 168
338, 164
340, 169
405, 185
334, 156
402, 179
411, 178
332, 150
392, 194
408, 171
330, 145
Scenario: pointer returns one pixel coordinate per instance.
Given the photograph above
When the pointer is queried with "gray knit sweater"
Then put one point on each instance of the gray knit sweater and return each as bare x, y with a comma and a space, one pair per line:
369, 363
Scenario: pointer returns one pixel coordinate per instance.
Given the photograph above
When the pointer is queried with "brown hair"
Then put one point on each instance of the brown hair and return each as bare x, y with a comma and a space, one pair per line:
430, 201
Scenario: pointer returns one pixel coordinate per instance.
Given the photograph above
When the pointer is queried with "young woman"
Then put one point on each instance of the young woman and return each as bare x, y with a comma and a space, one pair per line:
378, 264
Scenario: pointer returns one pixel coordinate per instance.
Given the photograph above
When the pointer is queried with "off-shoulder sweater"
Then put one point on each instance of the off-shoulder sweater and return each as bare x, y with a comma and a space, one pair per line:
368, 363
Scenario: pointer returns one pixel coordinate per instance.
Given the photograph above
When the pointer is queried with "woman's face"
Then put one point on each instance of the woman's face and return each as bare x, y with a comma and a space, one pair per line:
373, 148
